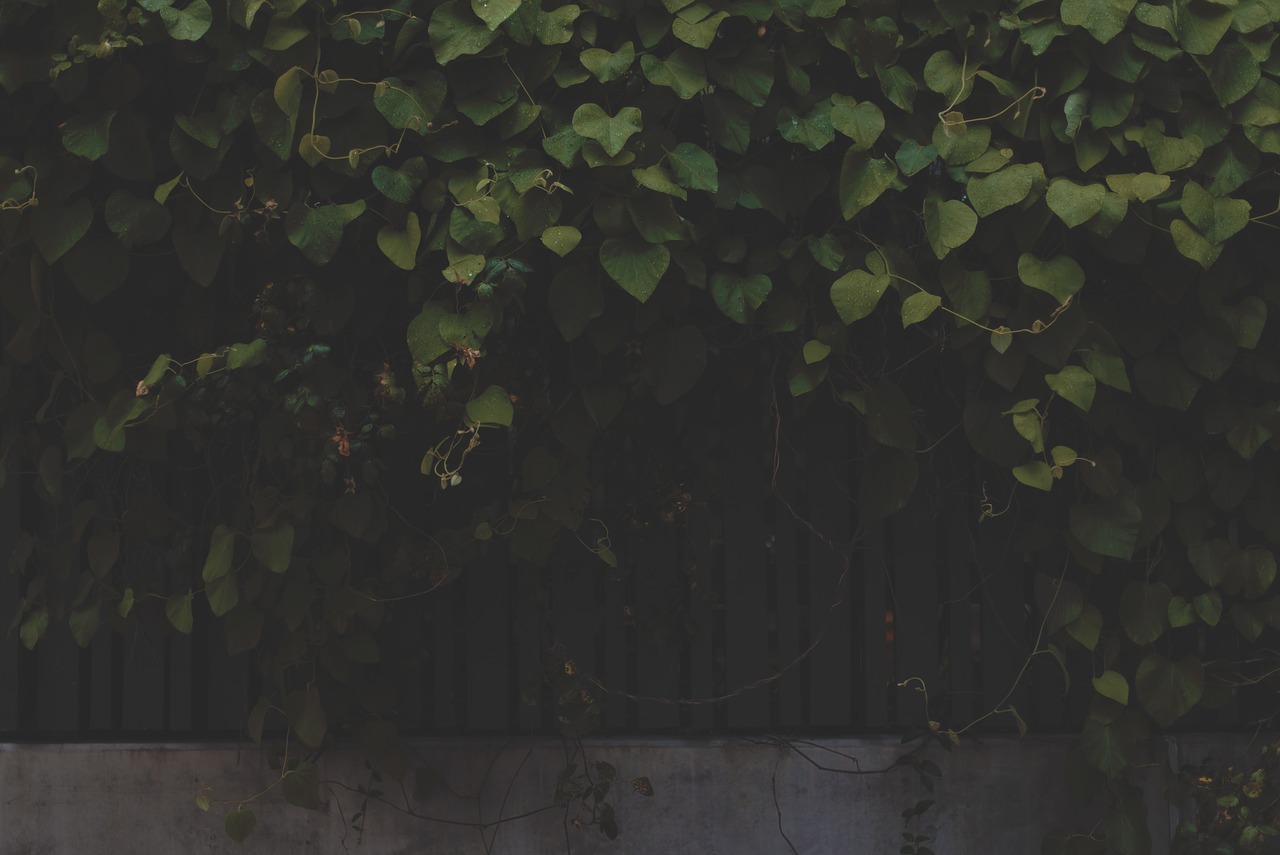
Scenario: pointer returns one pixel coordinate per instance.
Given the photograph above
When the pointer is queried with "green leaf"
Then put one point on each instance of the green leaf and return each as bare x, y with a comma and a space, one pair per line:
634, 264
862, 180
246, 355
310, 722
1107, 746
1168, 690
683, 72
729, 120
1087, 628
189, 24
317, 232
300, 786
1181, 612
574, 301
221, 549
1113, 685
178, 610
273, 546
33, 627
1104, 19
815, 351
1035, 474
1062, 455
694, 168
239, 824
401, 245
1074, 204
454, 31
1144, 611
1209, 607
223, 594
697, 33
1075, 385
136, 220
1003, 188
739, 296
860, 121
611, 132
1216, 219
657, 179
88, 136
399, 184
1060, 277
1109, 527
491, 407
283, 32
608, 67
494, 12
287, 91
1142, 187
411, 104
890, 417
1233, 72
84, 621
426, 343
1193, 245
812, 130
918, 307
561, 239
56, 228
948, 224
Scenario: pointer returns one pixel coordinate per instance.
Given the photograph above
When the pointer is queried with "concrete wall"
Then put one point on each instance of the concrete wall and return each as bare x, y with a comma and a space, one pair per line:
718, 796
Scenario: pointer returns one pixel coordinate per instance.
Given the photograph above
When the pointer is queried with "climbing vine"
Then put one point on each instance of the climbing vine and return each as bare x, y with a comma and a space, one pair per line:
267, 269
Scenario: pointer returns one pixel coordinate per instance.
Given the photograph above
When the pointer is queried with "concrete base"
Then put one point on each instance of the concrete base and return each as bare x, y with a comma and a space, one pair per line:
714, 796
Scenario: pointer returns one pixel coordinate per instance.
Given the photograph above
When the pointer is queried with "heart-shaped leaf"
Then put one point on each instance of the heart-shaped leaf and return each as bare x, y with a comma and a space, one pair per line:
856, 294
1168, 690
401, 245
56, 228
1074, 204
491, 407
318, 231
948, 224
739, 296
634, 264
1075, 385
611, 132
1061, 276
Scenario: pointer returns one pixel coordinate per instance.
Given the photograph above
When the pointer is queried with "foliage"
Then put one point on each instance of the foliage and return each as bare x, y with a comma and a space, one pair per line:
270, 271
1235, 810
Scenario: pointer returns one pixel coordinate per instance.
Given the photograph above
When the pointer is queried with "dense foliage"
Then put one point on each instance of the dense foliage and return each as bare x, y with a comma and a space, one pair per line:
269, 266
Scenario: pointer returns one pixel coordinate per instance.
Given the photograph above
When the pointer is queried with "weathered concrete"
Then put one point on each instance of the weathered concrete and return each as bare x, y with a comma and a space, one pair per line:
996, 796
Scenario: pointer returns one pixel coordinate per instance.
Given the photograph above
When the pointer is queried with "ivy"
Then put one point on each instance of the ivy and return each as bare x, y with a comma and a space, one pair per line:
317, 250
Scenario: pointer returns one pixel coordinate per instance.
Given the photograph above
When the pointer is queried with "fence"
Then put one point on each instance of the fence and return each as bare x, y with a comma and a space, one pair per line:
748, 566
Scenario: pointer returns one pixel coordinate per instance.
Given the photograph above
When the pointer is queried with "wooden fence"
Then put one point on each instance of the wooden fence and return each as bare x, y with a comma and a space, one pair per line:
730, 584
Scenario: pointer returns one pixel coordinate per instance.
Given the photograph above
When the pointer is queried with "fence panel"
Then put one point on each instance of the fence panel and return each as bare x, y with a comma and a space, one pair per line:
736, 576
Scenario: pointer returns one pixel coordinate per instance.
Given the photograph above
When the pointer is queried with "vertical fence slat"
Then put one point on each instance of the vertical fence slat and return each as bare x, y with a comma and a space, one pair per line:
915, 624
526, 642
445, 603
792, 583
143, 680
10, 583
956, 551
660, 629
488, 669
1003, 615
745, 607
703, 530
873, 575
829, 511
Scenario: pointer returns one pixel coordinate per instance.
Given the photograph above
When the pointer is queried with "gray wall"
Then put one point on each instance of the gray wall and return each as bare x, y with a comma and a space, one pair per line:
996, 796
